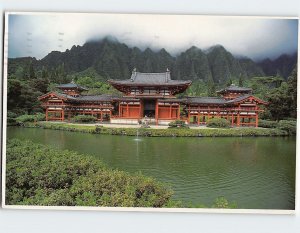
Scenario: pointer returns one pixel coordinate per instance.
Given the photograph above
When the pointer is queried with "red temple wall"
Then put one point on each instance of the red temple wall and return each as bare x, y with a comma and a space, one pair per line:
163, 113
167, 112
130, 112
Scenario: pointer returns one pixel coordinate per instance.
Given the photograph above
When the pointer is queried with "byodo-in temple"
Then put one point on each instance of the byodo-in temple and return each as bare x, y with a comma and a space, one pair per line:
152, 97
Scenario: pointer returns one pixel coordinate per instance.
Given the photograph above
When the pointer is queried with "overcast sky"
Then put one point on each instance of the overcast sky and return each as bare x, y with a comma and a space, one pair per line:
257, 38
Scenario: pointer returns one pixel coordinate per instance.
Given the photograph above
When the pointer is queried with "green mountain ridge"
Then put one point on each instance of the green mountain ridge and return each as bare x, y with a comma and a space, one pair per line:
114, 60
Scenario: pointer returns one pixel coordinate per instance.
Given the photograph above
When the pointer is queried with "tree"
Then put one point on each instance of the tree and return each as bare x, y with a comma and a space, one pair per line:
211, 88
283, 100
292, 91
280, 102
229, 82
241, 81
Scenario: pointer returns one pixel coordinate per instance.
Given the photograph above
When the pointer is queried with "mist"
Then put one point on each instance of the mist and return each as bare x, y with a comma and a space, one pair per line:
36, 35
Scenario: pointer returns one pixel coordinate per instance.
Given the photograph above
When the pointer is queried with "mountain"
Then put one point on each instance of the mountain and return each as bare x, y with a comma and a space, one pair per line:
108, 58
283, 65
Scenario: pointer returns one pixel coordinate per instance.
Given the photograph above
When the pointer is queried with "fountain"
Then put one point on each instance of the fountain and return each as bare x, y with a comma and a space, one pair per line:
137, 136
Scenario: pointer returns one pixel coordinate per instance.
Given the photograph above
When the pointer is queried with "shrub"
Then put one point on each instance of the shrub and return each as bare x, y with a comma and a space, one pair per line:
30, 118
223, 203
289, 126
40, 116
218, 123
177, 124
25, 118
84, 119
267, 124
41, 175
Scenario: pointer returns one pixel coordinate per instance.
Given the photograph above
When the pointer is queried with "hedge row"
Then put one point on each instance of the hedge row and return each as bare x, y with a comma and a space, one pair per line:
171, 132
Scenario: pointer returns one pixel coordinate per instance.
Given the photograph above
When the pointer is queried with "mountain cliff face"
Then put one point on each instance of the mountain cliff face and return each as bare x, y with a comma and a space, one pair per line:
111, 59
283, 65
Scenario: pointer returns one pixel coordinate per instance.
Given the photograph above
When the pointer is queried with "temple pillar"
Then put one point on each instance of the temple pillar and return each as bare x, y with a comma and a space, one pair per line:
140, 110
156, 112
256, 119
188, 120
46, 114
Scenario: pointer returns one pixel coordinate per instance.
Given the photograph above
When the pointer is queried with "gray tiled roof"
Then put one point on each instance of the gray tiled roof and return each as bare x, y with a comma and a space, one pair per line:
71, 85
175, 100
206, 100
92, 98
242, 97
65, 96
84, 98
138, 78
234, 88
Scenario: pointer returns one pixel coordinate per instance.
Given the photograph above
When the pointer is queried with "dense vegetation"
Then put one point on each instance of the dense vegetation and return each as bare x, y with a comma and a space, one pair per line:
93, 63
40, 175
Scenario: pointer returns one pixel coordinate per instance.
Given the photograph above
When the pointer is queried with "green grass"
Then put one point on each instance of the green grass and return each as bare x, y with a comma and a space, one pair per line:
175, 132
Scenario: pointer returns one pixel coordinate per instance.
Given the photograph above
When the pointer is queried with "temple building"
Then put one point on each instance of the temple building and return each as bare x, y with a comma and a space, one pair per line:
63, 106
152, 97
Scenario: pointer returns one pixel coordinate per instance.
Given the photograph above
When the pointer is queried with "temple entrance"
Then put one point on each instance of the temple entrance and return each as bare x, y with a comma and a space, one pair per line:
149, 108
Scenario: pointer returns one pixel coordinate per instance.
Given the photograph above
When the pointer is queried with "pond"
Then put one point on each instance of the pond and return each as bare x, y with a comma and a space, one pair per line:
254, 172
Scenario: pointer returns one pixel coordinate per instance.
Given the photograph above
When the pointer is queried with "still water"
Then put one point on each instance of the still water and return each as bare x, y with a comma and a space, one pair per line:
256, 172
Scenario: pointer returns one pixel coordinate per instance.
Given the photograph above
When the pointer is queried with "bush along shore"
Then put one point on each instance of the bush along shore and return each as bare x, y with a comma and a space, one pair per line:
170, 132
40, 175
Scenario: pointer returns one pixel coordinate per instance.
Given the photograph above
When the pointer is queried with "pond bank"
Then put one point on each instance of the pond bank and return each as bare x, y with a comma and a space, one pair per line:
160, 132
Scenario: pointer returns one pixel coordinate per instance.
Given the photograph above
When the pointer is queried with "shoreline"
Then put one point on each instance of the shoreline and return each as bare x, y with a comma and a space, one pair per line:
159, 132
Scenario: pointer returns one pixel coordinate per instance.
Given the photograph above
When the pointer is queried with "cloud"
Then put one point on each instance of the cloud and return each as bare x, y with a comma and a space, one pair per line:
38, 34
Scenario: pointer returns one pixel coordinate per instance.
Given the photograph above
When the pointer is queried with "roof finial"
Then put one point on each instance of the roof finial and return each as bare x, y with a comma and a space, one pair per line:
168, 75
133, 75
73, 82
